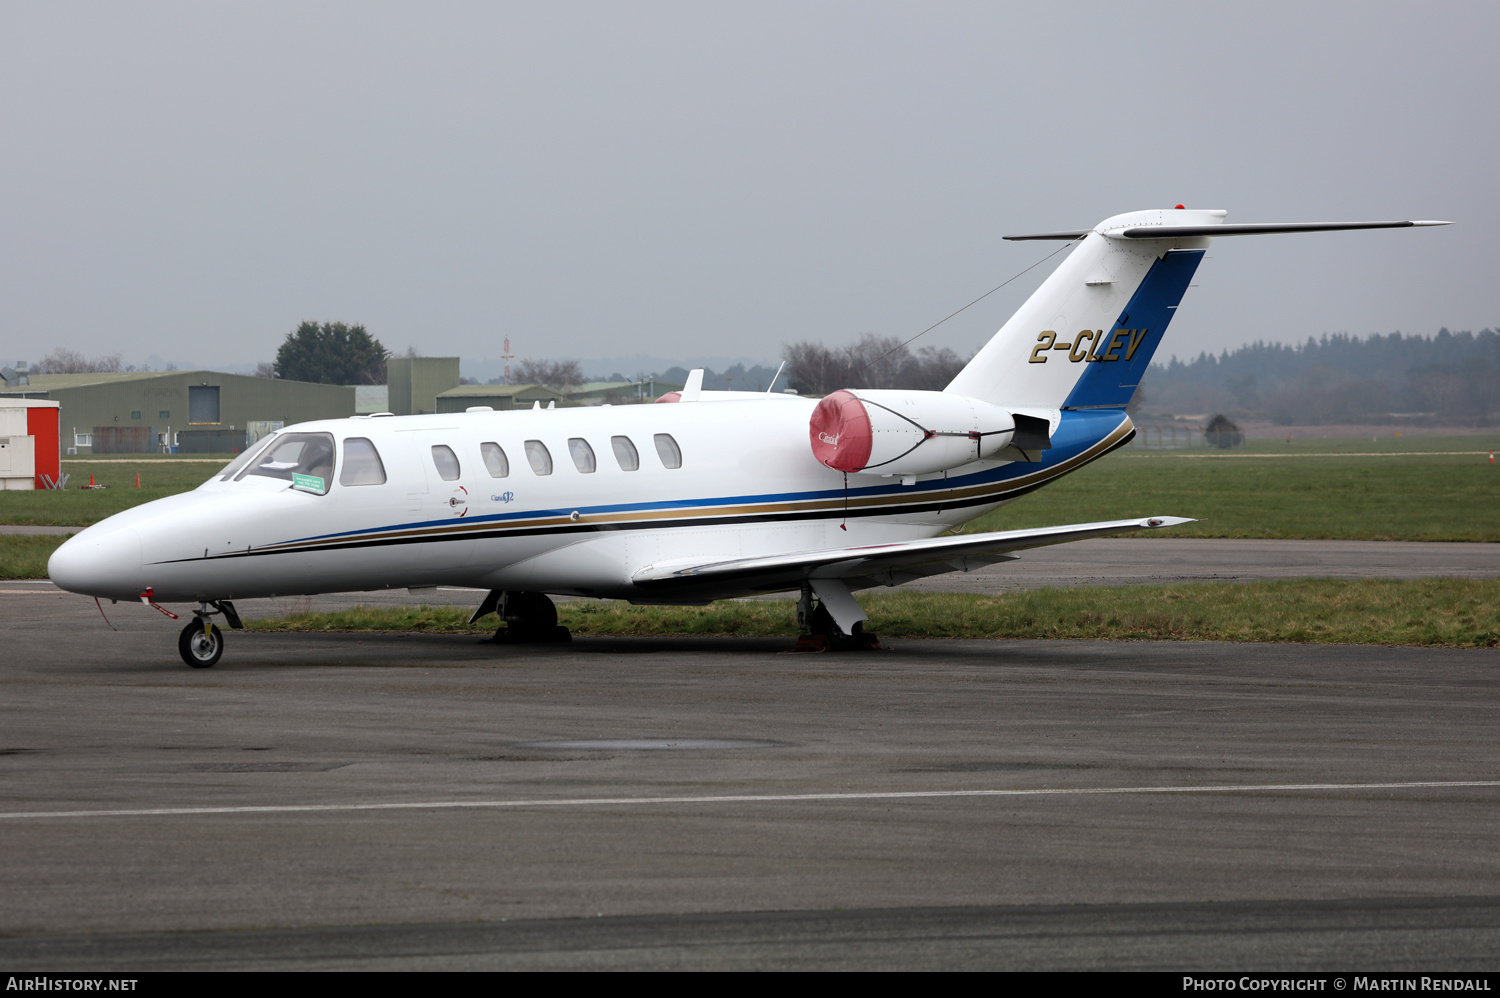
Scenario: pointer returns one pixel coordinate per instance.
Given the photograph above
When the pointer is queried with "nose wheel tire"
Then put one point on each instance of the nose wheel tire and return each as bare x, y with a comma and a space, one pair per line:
200, 647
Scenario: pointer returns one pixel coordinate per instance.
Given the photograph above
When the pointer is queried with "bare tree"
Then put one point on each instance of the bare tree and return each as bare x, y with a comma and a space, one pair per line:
1445, 391
65, 361
265, 369
938, 366
872, 362
552, 373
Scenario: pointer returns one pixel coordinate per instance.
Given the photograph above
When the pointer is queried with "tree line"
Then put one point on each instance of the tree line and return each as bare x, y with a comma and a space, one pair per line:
871, 362
330, 353
1451, 377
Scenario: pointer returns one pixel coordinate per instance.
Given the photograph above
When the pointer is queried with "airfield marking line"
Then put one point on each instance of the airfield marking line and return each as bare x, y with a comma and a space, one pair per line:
742, 799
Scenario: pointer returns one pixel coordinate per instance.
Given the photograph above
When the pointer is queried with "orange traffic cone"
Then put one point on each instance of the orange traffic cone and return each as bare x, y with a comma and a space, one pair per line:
137, 479
1492, 457
91, 479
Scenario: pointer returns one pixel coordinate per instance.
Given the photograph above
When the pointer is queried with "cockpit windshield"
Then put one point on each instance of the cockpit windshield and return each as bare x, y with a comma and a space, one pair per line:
234, 467
304, 459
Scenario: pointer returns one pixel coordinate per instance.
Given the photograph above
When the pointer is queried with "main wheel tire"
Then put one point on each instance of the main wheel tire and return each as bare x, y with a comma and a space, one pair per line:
530, 619
823, 626
533, 611
199, 648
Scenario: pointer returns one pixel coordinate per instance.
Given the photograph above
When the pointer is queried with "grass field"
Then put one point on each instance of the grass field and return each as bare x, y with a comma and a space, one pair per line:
74, 507
1439, 612
24, 557
1407, 488
1413, 497
1435, 488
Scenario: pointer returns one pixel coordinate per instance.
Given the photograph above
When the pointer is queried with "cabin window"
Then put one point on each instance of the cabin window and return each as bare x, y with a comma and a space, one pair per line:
625, 453
539, 456
495, 460
583, 455
362, 464
446, 462
304, 459
668, 451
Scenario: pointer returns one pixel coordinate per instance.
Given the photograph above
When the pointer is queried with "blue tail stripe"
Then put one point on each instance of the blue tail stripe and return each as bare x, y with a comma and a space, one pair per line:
1112, 382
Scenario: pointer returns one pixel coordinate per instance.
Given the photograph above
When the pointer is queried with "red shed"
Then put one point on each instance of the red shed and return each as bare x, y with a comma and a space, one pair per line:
28, 429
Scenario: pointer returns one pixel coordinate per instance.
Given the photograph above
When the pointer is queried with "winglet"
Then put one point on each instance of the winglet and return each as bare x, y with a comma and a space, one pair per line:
1166, 521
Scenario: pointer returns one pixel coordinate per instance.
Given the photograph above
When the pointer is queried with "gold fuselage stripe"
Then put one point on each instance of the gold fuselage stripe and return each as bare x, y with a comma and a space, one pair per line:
998, 490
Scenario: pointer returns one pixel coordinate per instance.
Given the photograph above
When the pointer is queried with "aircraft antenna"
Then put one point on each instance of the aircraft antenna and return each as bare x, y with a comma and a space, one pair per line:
976, 301
775, 376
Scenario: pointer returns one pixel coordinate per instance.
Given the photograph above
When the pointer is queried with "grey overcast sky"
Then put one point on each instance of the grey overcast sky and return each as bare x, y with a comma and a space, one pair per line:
715, 179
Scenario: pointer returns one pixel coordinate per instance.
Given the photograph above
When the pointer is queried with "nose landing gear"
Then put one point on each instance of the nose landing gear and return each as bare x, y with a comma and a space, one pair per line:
201, 643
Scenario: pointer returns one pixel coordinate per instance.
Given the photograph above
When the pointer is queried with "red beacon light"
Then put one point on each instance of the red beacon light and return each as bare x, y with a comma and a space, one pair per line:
1181, 208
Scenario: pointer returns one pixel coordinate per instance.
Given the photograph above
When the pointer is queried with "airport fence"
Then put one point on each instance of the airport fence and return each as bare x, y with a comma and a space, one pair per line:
1183, 436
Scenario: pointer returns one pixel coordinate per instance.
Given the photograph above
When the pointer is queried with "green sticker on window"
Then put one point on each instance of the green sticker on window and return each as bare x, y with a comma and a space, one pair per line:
308, 483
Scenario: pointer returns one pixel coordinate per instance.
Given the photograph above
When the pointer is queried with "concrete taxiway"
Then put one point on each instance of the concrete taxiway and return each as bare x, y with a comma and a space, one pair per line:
393, 800
1160, 560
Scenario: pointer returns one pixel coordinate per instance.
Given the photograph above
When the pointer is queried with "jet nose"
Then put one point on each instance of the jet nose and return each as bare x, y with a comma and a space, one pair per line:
99, 563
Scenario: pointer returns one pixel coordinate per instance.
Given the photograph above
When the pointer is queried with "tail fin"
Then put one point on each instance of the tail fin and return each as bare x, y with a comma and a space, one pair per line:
1084, 339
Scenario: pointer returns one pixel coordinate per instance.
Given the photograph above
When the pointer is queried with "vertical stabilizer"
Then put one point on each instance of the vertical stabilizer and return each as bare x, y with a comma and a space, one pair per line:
1085, 338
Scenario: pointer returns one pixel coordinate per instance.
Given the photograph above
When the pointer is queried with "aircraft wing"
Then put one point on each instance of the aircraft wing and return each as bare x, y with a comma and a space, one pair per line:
875, 564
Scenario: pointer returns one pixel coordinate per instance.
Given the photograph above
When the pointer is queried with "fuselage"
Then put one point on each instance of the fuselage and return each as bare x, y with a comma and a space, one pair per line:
469, 499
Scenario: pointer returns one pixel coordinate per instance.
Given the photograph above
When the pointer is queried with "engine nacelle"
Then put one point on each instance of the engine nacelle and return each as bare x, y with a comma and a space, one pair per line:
884, 432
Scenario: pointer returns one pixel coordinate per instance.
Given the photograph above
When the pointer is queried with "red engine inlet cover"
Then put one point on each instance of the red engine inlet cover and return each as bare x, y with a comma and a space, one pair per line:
840, 432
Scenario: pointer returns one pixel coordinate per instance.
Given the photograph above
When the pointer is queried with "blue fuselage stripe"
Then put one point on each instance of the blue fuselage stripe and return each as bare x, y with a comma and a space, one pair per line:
1076, 434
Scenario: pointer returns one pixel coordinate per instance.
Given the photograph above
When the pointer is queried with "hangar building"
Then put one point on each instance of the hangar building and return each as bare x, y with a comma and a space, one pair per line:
432, 384
196, 411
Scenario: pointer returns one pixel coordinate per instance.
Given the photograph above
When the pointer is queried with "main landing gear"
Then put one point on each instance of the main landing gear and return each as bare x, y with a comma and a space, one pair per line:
201, 643
835, 622
530, 618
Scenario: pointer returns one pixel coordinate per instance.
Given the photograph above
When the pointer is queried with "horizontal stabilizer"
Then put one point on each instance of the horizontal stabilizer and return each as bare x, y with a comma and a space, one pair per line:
1061, 234
873, 563
1247, 229
1255, 228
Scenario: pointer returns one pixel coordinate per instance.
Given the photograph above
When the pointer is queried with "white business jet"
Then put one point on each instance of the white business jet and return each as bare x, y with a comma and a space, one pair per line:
719, 494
